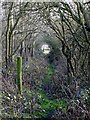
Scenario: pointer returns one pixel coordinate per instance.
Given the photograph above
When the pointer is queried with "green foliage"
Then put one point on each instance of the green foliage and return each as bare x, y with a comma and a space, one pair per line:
50, 72
48, 105
85, 96
26, 115
19, 73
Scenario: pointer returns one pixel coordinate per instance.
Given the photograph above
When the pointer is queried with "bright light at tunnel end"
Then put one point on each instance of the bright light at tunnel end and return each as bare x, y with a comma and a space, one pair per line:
46, 49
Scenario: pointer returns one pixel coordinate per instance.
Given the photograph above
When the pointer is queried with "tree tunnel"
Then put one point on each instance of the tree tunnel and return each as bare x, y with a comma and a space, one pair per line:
48, 48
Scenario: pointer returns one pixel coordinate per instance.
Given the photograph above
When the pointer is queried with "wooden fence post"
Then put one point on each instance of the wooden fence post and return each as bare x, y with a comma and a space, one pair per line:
19, 74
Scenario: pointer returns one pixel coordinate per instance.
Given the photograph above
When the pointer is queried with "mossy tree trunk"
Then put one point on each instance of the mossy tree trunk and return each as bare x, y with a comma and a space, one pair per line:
19, 74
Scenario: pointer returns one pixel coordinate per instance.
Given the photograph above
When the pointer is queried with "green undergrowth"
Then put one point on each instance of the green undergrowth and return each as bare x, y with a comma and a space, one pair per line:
48, 105
41, 107
49, 73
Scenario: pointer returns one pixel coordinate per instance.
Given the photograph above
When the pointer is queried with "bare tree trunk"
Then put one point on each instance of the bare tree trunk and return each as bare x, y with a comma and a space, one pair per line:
89, 62
6, 56
12, 40
8, 35
87, 22
89, 65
